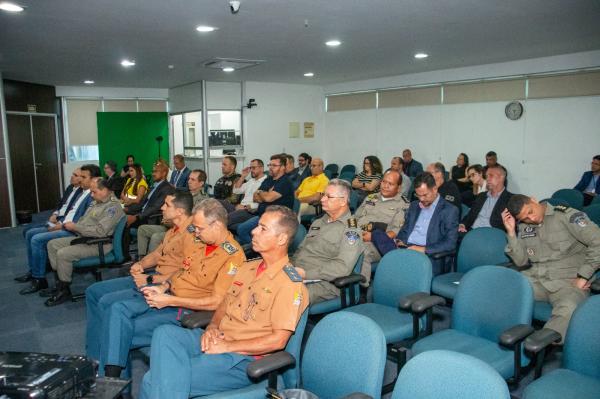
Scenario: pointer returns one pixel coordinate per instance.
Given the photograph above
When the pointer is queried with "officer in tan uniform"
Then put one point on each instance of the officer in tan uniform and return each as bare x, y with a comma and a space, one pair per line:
257, 317
381, 211
99, 221
563, 247
332, 245
210, 262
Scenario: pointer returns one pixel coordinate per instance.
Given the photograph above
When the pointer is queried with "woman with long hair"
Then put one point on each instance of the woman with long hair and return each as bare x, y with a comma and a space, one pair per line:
136, 186
368, 180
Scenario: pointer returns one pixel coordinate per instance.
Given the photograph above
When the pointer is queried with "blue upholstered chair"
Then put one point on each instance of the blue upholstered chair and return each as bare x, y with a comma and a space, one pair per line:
593, 212
556, 201
332, 168
573, 197
579, 376
350, 169
491, 317
298, 238
481, 246
345, 353
441, 374
464, 209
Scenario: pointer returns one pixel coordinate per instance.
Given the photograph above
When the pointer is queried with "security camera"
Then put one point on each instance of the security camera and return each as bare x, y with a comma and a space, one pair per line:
234, 6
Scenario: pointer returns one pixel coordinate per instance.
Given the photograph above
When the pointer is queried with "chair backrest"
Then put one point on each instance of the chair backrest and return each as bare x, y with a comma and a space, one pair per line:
593, 212
346, 176
333, 167
464, 209
117, 244
596, 200
296, 206
353, 200
350, 169
298, 238
328, 173
582, 343
491, 299
481, 246
400, 273
556, 201
441, 374
573, 197
345, 353
291, 377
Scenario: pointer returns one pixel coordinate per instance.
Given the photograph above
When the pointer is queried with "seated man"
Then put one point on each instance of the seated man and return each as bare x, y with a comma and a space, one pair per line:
210, 262
275, 190
563, 247
180, 174
37, 252
223, 189
448, 190
167, 257
99, 221
256, 318
412, 167
312, 188
149, 236
382, 211
116, 182
303, 169
430, 225
332, 245
488, 206
397, 163
247, 208
589, 184
290, 171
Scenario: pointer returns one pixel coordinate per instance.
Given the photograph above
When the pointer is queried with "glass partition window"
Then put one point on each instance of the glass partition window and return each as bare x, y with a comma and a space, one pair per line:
224, 133
187, 134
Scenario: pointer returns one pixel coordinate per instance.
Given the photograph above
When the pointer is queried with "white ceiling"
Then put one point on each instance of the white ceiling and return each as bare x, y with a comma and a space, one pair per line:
63, 42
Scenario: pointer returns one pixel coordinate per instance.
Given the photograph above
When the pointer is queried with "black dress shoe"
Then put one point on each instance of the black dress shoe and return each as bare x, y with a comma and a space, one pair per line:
36, 285
62, 294
47, 292
24, 278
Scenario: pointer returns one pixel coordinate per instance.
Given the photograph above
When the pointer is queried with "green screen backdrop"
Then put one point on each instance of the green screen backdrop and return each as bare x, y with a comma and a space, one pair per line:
123, 133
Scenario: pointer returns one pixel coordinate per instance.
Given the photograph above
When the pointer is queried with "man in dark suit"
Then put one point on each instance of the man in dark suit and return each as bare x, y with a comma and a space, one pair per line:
181, 173
430, 225
411, 167
589, 184
488, 206
447, 189
115, 181
303, 169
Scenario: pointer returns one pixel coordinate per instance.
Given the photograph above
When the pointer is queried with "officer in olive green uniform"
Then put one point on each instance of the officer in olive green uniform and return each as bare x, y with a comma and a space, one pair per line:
380, 211
99, 221
332, 245
563, 247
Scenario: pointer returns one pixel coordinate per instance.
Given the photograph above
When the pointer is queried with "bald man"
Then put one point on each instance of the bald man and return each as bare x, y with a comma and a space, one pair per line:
312, 188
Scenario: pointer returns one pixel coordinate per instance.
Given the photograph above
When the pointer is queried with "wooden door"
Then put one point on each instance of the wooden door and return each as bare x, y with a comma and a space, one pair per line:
21, 158
46, 161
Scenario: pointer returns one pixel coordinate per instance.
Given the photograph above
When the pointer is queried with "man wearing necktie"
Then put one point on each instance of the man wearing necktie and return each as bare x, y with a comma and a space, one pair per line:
179, 177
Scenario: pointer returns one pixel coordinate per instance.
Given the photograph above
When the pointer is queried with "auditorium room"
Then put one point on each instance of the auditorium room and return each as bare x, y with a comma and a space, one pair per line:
300, 199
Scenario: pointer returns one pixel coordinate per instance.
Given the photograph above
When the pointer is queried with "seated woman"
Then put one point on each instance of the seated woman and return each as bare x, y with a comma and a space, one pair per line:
459, 173
135, 188
475, 175
367, 182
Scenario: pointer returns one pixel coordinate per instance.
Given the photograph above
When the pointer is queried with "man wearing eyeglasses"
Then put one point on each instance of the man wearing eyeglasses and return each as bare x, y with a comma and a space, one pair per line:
247, 208
332, 245
275, 190
211, 258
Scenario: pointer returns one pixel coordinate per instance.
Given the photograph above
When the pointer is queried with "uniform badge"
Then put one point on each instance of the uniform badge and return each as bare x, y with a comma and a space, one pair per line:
187, 262
579, 219
369, 227
238, 283
561, 208
352, 223
315, 228
267, 290
190, 228
111, 211
530, 251
449, 198
297, 298
230, 249
528, 231
292, 273
352, 237
232, 270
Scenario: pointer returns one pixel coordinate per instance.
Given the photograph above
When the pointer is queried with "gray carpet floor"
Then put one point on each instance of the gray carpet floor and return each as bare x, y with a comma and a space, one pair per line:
29, 326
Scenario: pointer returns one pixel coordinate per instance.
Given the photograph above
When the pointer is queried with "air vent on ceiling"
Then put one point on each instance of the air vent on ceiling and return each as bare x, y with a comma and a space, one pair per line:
220, 63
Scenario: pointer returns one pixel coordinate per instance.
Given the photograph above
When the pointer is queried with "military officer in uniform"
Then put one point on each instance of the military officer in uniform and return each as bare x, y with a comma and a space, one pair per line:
332, 245
563, 247
167, 258
381, 211
257, 317
211, 260
99, 221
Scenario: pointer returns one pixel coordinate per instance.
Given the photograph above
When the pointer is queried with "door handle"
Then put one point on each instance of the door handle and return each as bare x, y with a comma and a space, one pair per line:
37, 164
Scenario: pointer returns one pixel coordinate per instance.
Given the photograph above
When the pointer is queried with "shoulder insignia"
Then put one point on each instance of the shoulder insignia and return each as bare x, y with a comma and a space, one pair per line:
232, 269
352, 223
449, 198
372, 196
292, 273
230, 249
579, 219
190, 228
561, 208
297, 298
405, 199
352, 237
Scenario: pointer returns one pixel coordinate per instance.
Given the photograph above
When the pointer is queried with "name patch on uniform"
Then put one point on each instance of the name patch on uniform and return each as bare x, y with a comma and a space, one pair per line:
297, 298
352, 237
232, 270
190, 228
528, 232
230, 249
369, 202
292, 273
579, 219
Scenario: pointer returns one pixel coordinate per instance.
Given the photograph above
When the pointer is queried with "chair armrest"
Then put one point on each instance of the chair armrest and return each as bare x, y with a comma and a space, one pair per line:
345, 281
441, 255
268, 364
357, 395
423, 304
198, 319
595, 287
406, 302
541, 339
515, 335
102, 240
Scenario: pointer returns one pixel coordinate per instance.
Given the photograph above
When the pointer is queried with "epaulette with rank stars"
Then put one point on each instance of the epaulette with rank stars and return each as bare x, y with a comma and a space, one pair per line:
229, 248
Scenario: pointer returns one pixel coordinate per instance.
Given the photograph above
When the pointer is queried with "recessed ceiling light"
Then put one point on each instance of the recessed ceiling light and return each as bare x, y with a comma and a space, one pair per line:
228, 69
309, 74
333, 43
420, 56
171, 66
89, 82
204, 28
127, 63
10, 7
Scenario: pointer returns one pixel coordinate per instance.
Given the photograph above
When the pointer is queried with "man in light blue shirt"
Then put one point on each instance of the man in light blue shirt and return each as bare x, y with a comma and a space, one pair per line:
419, 233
